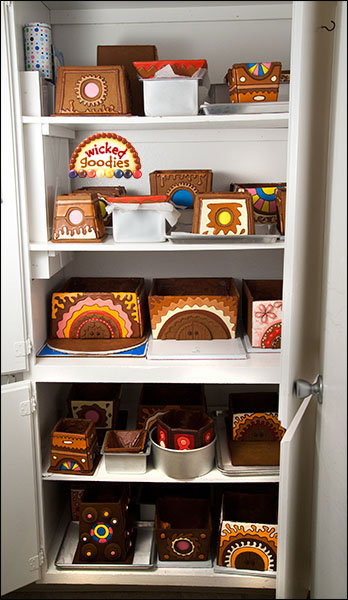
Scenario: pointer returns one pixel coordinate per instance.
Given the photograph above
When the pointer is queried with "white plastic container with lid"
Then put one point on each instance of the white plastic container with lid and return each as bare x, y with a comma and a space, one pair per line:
169, 92
141, 218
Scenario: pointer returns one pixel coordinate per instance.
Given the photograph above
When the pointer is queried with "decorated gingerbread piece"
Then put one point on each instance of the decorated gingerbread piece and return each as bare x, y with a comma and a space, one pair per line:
103, 192
280, 198
254, 430
105, 155
181, 186
263, 197
248, 535
183, 68
125, 440
92, 91
195, 308
223, 213
78, 218
157, 398
183, 529
98, 314
96, 401
263, 312
254, 82
184, 430
74, 447
106, 529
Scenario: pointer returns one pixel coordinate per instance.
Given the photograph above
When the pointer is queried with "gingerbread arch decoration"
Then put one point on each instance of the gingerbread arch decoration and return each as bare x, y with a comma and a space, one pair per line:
105, 155
194, 325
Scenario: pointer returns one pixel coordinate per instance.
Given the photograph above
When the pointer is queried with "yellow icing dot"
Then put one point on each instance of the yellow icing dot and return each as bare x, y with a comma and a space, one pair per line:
109, 173
224, 217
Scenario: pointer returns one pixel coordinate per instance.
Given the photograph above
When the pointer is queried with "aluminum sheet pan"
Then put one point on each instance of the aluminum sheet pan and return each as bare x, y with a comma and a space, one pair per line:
245, 108
191, 238
223, 456
246, 572
144, 555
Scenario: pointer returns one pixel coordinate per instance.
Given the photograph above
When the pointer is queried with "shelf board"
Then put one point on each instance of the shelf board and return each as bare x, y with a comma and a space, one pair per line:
153, 475
109, 245
255, 121
258, 368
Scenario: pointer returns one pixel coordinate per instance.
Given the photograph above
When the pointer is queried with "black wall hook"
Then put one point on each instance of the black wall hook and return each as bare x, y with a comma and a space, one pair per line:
327, 29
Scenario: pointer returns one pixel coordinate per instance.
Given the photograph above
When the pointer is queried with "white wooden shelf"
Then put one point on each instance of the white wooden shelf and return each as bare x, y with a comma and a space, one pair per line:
254, 121
109, 245
153, 475
257, 368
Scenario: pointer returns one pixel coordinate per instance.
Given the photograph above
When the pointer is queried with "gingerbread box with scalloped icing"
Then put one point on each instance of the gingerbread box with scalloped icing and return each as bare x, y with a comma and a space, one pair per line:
92, 91
193, 308
99, 314
262, 312
78, 218
248, 532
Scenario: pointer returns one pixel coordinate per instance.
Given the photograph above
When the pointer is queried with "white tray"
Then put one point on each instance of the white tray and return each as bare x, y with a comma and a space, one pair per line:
232, 349
144, 554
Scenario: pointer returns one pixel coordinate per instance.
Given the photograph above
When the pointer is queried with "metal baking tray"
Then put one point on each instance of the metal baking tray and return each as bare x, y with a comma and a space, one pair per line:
246, 572
264, 234
245, 108
144, 554
223, 456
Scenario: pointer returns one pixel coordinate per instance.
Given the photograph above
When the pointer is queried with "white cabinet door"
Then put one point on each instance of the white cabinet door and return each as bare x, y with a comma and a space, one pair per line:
310, 95
20, 559
14, 337
295, 504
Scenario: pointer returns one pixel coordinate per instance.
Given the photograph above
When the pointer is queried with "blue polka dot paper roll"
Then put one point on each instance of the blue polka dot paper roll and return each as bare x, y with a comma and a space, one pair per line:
38, 48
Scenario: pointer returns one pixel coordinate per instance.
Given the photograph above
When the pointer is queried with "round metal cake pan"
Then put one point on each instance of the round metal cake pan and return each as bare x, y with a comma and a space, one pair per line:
182, 464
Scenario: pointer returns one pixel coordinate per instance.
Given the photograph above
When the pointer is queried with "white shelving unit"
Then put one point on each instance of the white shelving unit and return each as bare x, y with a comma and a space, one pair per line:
260, 147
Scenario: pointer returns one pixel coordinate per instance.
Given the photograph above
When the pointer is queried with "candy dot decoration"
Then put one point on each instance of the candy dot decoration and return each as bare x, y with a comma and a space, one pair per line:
72, 174
106, 155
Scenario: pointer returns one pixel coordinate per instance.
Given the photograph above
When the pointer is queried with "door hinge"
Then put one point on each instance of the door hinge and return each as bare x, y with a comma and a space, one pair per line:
35, 562
28, 407
23, 348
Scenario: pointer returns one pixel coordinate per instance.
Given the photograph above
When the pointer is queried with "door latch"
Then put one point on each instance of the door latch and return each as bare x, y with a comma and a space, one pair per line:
303, 388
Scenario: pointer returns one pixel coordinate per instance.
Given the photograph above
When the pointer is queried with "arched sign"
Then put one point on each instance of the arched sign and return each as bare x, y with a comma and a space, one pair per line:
105, 155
